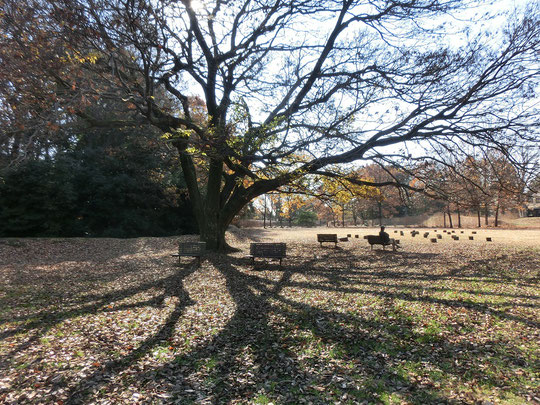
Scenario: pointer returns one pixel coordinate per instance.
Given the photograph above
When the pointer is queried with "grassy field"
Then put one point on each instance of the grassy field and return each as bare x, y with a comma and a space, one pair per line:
501, 238
119, 321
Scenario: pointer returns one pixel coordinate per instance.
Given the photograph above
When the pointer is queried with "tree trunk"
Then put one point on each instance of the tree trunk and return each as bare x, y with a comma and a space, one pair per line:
212, 216
478, 212
343, 217
444, 219
264, 215
486, 214
278, 211
214, 236
215, 224
450, 217
459, 217
497, 215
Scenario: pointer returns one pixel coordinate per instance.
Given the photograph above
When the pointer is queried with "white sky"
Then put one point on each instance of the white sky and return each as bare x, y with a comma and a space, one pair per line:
450, 34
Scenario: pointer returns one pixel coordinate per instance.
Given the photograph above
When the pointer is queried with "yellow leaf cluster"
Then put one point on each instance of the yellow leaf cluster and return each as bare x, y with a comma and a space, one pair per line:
78, 58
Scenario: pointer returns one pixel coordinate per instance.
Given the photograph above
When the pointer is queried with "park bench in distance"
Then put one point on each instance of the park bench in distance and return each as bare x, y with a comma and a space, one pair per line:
267, 251
191, 249
376, 240
327, 237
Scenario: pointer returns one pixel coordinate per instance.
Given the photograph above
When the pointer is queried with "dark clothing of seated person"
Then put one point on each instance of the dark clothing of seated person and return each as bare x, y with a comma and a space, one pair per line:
385, 238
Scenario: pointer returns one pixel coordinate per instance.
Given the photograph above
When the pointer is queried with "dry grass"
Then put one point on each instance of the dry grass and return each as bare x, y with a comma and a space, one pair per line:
118, 321
501, 238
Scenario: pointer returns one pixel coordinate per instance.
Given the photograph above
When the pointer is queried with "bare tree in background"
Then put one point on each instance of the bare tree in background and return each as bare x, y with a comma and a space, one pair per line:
289, 87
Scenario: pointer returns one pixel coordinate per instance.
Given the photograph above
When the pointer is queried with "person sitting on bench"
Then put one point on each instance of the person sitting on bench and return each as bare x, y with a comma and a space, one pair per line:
385, 239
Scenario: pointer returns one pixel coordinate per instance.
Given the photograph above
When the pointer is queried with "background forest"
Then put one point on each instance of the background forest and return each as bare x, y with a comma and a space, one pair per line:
96, 182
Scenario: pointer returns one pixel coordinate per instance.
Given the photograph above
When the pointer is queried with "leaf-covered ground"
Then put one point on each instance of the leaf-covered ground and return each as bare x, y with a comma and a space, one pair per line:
119, 321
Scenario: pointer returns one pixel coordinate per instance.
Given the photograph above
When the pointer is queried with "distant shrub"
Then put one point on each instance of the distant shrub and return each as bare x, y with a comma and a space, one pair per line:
306, 218
92, 193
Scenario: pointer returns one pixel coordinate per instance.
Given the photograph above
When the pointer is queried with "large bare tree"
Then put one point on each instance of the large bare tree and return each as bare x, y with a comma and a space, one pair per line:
290, 88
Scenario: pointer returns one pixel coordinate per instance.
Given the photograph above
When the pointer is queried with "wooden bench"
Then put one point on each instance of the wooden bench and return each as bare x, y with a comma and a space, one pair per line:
376, 240
268, 251
327, 237
191, 249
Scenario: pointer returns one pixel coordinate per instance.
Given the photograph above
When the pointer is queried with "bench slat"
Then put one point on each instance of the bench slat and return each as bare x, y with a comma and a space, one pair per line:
194, 249
268, 250
327, 237
376, 240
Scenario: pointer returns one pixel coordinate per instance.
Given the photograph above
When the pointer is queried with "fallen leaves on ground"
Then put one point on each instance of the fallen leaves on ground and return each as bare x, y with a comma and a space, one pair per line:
119, 321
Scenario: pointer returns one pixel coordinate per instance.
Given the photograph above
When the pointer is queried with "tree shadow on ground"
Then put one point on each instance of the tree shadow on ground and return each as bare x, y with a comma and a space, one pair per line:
255, 355
277, 347
54, 299
173, 286
255, 358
